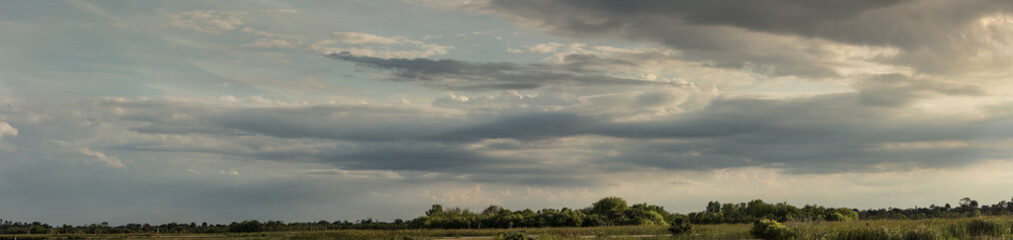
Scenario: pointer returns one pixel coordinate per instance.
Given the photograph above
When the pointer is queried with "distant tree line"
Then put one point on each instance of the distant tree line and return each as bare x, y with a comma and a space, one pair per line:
608, 211
8, 227
966, 207
755, 210
752, 211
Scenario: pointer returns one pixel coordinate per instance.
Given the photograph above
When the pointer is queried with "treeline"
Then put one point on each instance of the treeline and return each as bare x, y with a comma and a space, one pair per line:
608, 211
755, 210
8, 227
966, 207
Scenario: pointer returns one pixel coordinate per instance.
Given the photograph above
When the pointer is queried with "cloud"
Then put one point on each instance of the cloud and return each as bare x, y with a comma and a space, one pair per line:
95, 156
562, 140
460, 75
365, 38
357, 174
896, 90
676, 129
831, 133
209, 21
545, 47
788, 38
111, 161
371, 45
7, 130
271, 43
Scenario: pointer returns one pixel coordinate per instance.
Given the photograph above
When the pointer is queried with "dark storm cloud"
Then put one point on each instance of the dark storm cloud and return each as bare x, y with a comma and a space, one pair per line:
416, 157
355, 123
459, 75
897, 90
530, 126
741, 34
834, 133
827, 133
831, 133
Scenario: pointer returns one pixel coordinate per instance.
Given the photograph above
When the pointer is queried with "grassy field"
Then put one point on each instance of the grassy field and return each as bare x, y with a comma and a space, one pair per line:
976, 228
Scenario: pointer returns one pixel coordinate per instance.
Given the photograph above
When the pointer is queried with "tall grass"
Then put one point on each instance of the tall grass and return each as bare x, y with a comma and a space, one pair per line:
929, 229
925, 229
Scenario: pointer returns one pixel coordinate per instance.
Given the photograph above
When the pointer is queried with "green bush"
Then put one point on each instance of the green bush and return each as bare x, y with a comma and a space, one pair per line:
979, 227
680, 226
842, 214
771, 230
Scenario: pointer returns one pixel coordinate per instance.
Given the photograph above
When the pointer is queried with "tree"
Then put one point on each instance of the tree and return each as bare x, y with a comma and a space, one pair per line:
713, 207
246, 226
492, 210
611, 208
436, 210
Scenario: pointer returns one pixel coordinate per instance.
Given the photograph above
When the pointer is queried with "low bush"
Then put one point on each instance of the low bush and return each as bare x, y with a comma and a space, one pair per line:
680, 226
771, 230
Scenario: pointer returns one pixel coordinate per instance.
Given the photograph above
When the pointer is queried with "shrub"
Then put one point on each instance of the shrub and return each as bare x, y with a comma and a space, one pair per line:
680, 226
771, 230
842, 214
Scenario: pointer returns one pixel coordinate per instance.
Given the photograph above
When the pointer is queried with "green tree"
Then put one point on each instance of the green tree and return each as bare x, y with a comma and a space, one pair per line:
612, 209
436, 210
713, 207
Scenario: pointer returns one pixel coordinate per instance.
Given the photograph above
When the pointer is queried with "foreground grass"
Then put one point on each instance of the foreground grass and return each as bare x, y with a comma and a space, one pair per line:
928, 229
543, 233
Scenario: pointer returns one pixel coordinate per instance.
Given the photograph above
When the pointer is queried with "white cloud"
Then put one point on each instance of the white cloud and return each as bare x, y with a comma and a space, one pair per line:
7, 130
271, 34
357, 174
365, 38
371, 45
111, 161
97, 156
208, 21
545, 47
271, 43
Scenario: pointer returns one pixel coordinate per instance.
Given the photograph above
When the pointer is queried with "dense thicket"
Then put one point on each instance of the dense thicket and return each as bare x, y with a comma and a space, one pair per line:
605, 212
755, 210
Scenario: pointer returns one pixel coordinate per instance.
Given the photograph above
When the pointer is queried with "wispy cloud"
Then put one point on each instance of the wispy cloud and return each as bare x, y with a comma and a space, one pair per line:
209, 21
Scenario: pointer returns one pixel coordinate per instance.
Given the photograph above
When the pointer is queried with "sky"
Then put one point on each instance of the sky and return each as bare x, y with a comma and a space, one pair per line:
221, 111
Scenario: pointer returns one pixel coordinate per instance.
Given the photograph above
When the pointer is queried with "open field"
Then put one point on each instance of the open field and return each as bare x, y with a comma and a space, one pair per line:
966, 228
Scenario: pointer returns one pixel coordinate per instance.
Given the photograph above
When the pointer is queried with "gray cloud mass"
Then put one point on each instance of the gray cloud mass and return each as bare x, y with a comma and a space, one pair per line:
164, 111
932, 35
466, 76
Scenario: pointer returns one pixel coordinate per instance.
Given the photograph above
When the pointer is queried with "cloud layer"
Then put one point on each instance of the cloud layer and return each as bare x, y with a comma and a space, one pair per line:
164, 111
